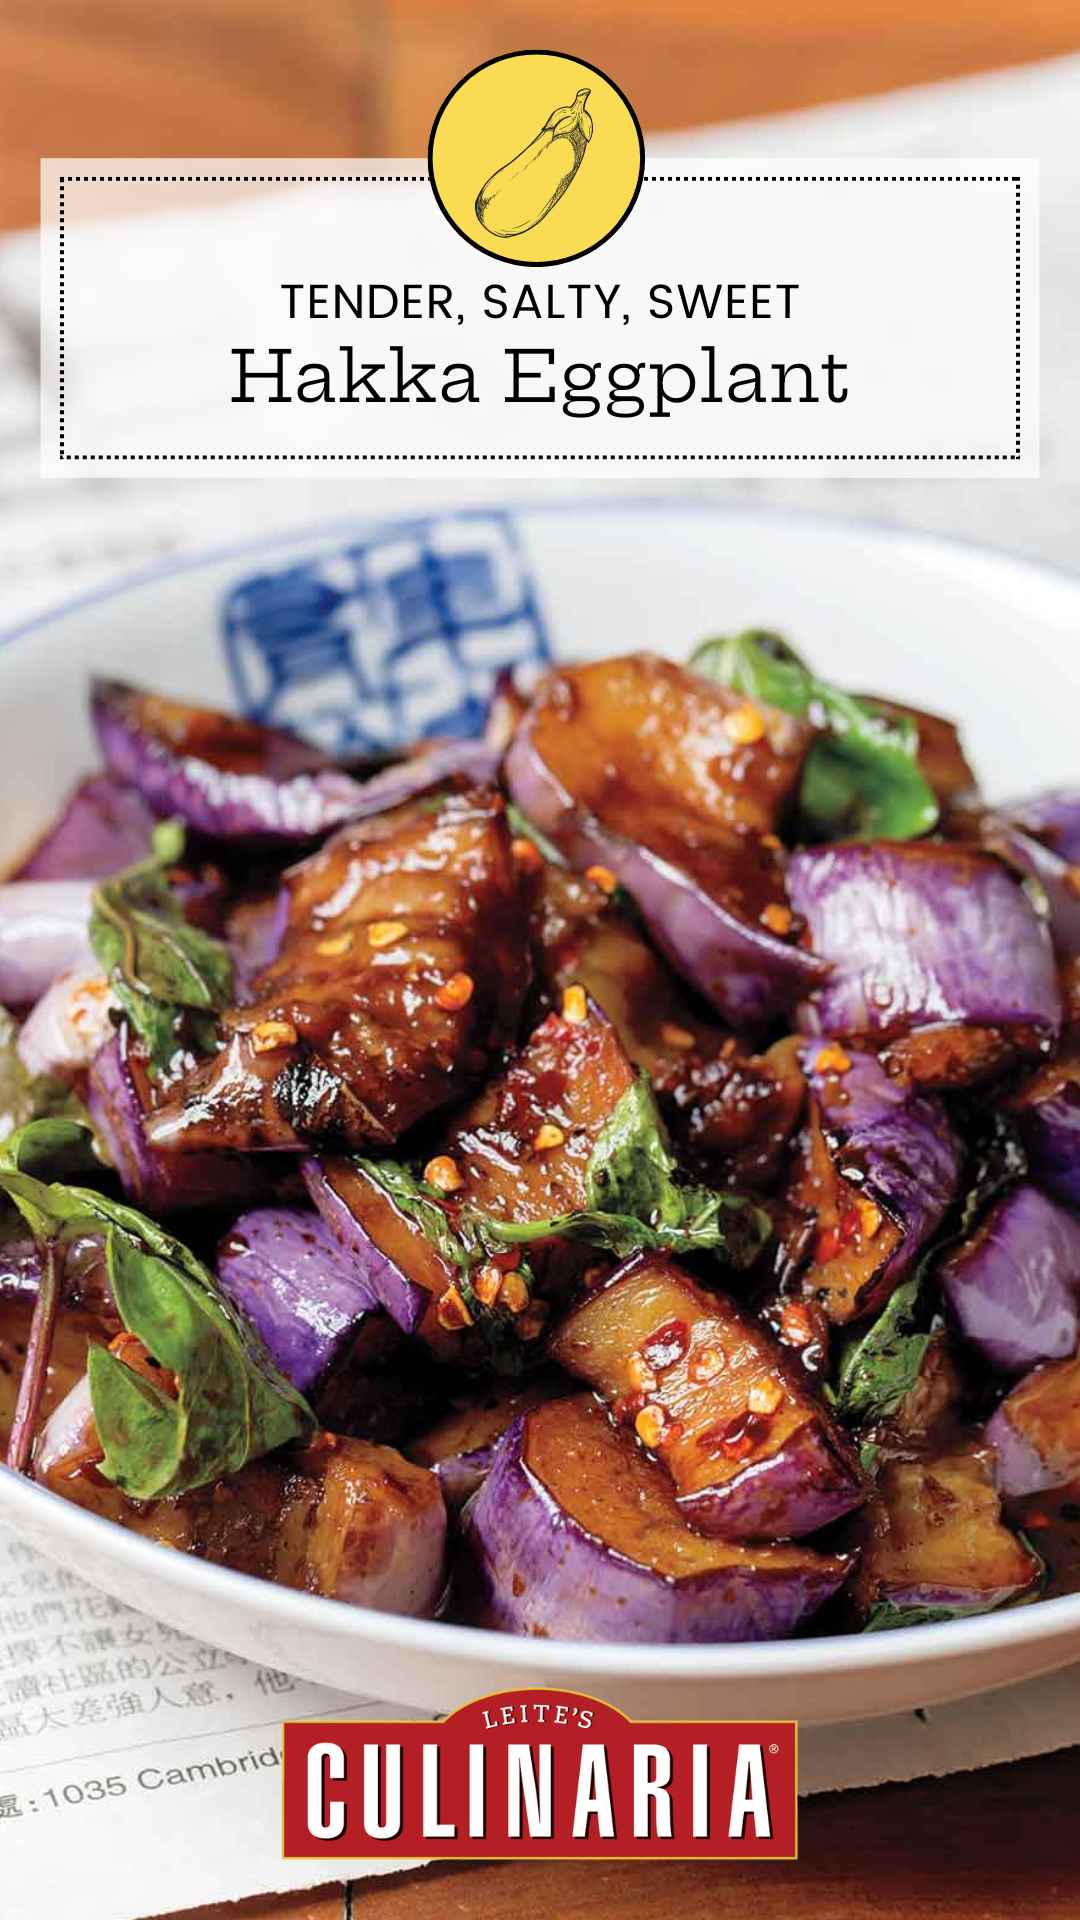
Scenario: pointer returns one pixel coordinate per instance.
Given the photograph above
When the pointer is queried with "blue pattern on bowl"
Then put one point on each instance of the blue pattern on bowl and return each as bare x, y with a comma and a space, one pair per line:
389, 639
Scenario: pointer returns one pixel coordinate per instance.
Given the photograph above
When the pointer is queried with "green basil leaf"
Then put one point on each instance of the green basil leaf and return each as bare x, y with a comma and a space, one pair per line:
635, 1202
418, 1203
884, 1617
861, 778
24, 1096
880, 1369
231, 1403
162, 970
521, 826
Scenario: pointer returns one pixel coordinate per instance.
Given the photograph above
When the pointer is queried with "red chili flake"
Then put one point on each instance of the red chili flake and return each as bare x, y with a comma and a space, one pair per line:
828, 1245
666, 1345
738, 1436
849, 1225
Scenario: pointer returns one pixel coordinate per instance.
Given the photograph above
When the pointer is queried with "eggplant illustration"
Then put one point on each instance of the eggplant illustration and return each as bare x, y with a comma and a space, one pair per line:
523, 192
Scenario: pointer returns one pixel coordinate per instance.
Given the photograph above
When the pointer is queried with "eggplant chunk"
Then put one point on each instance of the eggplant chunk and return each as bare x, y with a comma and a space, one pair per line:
402, 969
1035, 1432
342, 1518
119, 1101
876, 1171
1047, 1111
285, 1272
721, 1102
751, 1453
575, 1535
1014, 1286
103, 826
228, 778
569, 1077
676, 785
923, 939
934, 1541
460, 1447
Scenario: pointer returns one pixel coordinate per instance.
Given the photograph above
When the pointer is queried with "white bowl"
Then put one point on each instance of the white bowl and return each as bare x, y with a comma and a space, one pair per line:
374, 631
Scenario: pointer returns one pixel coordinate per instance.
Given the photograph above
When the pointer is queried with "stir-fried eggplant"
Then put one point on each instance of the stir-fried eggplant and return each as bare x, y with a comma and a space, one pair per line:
676, 787
936, 953
698, 1036
752, 1455
575, 1533
876, 1169
400, 974
934, 1544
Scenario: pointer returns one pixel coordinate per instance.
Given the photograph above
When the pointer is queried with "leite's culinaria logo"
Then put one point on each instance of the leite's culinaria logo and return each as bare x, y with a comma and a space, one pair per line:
540, 1774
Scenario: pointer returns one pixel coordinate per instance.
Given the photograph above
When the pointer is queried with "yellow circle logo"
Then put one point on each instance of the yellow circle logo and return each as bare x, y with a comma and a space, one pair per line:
536, 157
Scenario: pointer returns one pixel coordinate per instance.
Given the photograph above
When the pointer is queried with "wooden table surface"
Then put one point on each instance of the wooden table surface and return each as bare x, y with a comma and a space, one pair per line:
346, 77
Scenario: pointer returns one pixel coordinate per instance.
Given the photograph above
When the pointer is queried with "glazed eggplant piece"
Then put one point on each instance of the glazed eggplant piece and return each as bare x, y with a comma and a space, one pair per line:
675, 786
1035, 1432
721, 1102
460, 1447
341, 1518
401, 971
876, 1171
936, 954
569, 1078
285, 1272
1047, 1112
1014, 1285
103, 826
228, 778
391, 1255
751, 1453
235, 781
120, 1105
575, 1535
934, 1545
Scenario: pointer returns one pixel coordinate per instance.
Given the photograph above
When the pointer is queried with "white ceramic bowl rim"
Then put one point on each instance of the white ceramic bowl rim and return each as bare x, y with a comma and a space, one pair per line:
835, 1654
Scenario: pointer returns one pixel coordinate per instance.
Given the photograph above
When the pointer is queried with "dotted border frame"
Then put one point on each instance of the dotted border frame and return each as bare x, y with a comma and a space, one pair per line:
652, 179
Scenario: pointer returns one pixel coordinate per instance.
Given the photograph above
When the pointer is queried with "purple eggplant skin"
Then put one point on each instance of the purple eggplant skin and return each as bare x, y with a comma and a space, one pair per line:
102, 827
286, 1273
1054, 818
810, 1482
921, 933
234, 781
228, 779
1035, 1432
1014, 1286
1036, 861
157, 1181
528, 1566
44, 931
1047, 1113
84, 1282
901, 1142
749, 975
387, 1283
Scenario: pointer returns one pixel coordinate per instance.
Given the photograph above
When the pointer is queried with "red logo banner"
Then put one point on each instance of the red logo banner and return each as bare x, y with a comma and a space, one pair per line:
540, 1774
